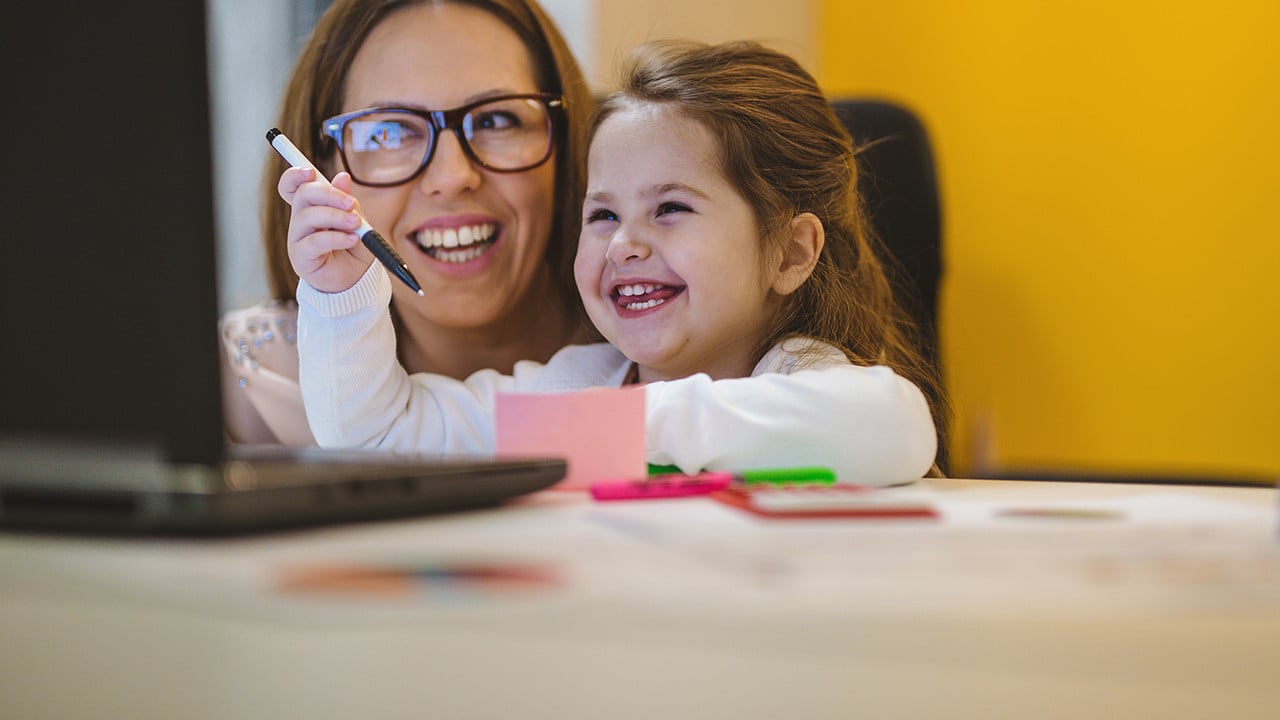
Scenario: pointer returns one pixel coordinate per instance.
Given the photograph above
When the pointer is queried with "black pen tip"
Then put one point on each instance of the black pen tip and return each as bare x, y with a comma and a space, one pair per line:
272, 133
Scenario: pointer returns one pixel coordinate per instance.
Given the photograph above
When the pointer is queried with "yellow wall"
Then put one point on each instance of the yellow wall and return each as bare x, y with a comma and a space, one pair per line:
1110, 173
617, 26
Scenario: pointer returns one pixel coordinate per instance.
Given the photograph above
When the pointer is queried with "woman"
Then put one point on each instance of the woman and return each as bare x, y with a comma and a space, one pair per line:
487, 227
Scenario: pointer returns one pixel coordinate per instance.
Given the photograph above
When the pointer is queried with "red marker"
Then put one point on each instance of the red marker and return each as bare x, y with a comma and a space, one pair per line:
661, 486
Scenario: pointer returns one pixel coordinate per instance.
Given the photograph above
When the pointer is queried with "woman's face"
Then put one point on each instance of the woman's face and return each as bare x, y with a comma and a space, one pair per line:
439, 57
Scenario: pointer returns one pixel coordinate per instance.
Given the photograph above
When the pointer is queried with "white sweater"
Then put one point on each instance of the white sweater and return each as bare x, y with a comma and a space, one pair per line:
805, 404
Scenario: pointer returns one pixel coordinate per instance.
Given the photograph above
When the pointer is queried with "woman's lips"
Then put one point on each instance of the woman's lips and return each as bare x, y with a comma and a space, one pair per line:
456, 245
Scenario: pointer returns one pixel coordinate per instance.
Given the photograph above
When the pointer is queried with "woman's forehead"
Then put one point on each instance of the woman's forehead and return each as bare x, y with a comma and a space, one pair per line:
438, 55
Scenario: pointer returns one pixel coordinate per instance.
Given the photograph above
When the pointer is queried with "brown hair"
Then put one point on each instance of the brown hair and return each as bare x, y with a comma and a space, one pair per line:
318, 83
785, 151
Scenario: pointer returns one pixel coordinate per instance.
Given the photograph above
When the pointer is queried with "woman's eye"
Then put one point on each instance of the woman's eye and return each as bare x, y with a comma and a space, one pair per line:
496, 120
667, 208
602, 214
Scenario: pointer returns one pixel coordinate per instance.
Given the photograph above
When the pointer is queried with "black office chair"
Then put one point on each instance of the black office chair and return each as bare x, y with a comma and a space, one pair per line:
898, 181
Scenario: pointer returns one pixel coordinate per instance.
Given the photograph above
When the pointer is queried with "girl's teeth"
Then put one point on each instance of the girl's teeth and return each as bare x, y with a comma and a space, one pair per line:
644, 305
637, 289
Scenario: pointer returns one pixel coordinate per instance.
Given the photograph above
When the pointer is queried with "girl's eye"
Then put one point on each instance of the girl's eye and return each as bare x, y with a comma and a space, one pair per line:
667, 208
602, 215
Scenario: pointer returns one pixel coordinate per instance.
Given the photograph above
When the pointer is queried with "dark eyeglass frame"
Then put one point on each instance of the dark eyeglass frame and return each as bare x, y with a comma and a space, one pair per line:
442, 120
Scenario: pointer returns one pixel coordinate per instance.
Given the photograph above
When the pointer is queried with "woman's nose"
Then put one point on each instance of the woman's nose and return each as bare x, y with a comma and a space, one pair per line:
451, 169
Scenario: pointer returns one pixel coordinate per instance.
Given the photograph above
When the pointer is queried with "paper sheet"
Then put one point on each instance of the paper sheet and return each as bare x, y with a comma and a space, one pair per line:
599, 431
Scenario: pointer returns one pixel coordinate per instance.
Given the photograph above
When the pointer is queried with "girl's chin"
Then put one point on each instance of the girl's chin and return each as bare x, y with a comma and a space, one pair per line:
654, 364
640, 357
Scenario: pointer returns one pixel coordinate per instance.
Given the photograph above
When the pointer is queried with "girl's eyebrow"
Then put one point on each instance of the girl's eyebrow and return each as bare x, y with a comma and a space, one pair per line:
665, 188
655, 191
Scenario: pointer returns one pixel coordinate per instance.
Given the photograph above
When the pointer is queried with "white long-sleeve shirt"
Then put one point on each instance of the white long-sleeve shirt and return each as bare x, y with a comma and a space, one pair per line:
805, 404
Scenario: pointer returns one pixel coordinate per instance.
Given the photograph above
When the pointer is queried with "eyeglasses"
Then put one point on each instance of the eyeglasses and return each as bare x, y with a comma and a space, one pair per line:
382, 147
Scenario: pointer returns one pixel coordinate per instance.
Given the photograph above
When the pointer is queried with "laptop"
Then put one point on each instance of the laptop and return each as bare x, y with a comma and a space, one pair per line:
110, 405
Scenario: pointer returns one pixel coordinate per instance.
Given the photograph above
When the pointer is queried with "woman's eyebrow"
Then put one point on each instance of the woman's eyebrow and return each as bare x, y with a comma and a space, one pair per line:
477, 97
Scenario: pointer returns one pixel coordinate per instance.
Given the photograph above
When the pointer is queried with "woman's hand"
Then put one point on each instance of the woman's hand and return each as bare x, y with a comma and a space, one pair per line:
323, 247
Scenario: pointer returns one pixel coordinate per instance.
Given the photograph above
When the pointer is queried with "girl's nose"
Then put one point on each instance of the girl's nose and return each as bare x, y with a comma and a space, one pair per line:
625, 246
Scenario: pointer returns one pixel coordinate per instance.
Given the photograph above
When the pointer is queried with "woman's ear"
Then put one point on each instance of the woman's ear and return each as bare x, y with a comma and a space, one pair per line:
799, 253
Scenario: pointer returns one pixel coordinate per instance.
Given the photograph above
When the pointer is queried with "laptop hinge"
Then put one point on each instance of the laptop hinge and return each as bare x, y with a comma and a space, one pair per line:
77, 463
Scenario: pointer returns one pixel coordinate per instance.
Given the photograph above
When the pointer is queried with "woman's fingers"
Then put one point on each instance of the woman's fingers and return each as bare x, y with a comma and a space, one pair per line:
292, 179
329, 261
313, 251
304, 186
320, 218
323, 247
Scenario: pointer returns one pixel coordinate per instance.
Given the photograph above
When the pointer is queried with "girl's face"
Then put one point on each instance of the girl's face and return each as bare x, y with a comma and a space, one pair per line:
669, 262
438, 57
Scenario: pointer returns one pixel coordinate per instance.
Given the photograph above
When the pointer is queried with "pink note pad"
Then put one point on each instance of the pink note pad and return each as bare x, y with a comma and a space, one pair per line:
600, 432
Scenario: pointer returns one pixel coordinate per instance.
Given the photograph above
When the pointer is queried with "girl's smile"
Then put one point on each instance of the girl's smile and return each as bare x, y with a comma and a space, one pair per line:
637, 297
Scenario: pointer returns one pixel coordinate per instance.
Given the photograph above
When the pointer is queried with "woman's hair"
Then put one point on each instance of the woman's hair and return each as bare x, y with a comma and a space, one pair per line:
315, 92
784, 150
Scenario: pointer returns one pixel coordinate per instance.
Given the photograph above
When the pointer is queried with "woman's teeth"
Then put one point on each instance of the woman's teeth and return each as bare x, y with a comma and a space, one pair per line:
456, 245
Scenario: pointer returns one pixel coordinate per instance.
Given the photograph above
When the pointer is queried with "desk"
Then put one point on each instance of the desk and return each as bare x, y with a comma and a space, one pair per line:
675, 608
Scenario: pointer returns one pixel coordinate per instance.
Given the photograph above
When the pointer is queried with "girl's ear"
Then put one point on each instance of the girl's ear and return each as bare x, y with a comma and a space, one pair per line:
799, 253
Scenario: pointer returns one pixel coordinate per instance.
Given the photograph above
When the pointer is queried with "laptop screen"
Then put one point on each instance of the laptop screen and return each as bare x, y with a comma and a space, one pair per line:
108, 280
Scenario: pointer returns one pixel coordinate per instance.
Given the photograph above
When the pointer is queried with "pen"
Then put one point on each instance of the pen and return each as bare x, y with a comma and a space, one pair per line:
377, 245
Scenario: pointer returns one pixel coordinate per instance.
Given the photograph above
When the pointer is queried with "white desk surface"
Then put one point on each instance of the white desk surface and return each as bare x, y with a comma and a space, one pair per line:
675, 608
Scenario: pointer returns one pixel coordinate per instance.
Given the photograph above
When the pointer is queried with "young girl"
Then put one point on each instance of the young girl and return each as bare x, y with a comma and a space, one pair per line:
724, 256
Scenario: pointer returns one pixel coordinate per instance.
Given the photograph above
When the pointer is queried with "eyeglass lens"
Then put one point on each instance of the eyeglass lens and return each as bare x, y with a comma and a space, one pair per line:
390, 146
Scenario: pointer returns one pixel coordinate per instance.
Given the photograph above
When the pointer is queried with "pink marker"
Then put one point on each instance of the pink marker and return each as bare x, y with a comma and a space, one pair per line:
661, 486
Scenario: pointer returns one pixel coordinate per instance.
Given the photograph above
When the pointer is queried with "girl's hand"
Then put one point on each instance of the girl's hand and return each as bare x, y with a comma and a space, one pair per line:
323, 247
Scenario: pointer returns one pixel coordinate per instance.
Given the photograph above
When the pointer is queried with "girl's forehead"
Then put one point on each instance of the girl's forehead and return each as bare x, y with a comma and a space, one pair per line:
643, 147
659, 121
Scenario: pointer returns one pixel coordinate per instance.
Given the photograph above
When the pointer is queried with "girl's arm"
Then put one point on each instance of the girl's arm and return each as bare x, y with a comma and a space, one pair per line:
357, 394
868, 424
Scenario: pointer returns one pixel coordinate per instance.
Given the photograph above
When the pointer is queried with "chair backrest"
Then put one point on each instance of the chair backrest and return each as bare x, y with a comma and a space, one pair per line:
897, 179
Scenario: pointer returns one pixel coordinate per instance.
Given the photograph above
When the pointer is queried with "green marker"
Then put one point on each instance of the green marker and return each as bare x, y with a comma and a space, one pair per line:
783, 476
774, 476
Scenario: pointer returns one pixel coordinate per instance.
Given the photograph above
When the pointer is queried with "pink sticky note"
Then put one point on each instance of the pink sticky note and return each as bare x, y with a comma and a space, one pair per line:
600, 432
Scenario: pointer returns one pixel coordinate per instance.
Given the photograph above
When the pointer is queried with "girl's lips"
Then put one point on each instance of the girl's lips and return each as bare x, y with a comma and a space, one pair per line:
640, 296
